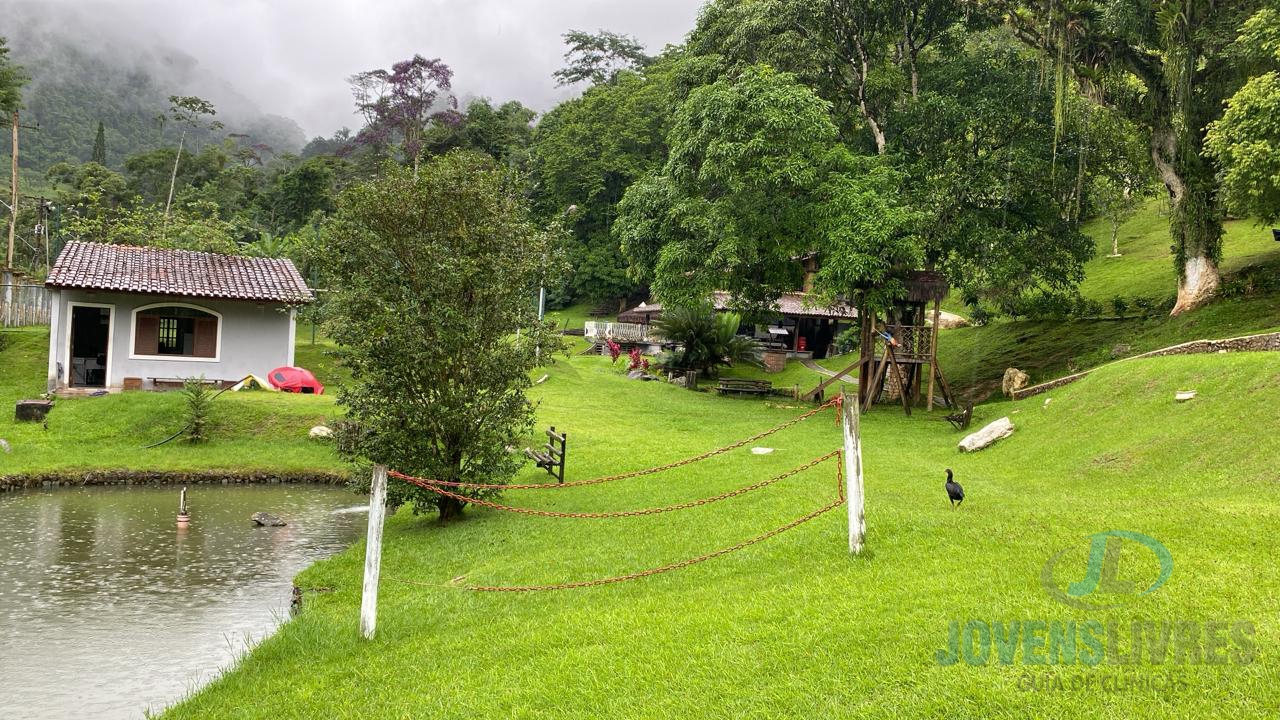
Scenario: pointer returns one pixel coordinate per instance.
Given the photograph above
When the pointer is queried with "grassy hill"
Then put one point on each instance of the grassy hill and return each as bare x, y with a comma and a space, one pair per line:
795, 627
250, 431
975, 358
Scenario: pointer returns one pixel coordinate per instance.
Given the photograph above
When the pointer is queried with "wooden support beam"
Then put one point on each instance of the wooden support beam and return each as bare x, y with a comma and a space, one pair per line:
933, 350
873, 389
902, 389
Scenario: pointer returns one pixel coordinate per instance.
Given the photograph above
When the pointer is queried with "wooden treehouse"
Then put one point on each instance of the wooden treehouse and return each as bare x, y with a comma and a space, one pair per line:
898, 354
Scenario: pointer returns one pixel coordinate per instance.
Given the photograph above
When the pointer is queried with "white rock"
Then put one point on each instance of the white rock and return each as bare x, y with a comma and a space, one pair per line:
1047, 401
1185, 395
761, 450
4, 445
988, 435
320, 432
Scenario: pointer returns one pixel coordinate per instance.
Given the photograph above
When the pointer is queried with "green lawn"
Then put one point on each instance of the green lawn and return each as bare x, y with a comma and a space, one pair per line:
250, 431
795, 627
1145, 268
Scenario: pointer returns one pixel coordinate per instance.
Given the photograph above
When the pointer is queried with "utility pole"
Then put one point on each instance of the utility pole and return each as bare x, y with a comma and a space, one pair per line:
13, 198
13, 189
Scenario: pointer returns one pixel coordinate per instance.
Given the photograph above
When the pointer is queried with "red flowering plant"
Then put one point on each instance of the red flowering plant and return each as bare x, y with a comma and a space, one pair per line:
615, 350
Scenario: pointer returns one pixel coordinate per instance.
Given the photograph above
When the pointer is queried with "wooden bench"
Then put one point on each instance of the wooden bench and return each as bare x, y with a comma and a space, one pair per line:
962, 419
744, 387
551, 456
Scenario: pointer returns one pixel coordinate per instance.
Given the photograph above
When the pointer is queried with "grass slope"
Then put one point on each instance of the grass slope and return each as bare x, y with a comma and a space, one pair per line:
251, 431
1145, 268
795, 627
975, 358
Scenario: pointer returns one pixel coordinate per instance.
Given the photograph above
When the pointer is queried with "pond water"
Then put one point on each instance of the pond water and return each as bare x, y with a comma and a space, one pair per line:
107, 610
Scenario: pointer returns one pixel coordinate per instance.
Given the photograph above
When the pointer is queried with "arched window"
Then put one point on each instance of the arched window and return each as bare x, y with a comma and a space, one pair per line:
175, 331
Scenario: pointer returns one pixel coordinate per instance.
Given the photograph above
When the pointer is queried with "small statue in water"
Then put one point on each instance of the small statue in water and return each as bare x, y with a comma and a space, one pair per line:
184, 517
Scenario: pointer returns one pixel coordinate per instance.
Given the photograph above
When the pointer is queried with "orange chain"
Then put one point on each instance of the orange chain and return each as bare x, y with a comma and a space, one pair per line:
426, 485
611, 478
840, 499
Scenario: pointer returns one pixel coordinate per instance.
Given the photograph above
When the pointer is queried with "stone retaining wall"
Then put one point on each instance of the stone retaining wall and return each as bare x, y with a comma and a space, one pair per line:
1269, 342
134, 477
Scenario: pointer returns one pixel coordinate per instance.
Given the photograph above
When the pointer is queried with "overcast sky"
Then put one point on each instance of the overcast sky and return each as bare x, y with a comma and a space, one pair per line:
292, 56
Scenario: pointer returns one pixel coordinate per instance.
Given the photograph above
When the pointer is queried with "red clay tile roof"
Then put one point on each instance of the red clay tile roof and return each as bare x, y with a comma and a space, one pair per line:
162, 271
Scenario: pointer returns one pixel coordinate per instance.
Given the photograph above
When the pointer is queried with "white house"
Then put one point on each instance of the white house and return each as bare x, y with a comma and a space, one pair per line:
144, 317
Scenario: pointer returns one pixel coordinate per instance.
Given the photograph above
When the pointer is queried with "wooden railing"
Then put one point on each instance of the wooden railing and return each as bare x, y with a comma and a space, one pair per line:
914, 341
620, 332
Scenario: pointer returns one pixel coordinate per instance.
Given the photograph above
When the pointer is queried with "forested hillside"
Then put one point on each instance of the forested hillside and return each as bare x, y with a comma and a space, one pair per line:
75, 84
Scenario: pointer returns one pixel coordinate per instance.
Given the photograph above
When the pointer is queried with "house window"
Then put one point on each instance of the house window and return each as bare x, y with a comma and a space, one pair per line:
176, 331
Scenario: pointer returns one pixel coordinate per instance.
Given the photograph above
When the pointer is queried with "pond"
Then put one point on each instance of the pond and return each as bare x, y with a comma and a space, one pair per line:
107, 610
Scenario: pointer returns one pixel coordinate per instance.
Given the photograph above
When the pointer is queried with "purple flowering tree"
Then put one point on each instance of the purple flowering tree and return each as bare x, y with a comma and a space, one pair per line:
400, 104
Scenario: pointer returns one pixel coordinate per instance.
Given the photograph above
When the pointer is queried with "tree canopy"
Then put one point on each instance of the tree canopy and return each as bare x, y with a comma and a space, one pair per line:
434, 276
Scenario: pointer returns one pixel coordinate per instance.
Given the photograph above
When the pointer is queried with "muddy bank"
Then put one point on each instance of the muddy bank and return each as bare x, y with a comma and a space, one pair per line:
80, 478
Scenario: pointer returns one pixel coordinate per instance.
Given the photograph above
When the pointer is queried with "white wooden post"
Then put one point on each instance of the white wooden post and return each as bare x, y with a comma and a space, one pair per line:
853, 471
373, 552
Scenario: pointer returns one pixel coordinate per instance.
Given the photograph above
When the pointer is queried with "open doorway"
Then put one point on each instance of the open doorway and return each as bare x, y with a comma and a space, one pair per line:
90, 341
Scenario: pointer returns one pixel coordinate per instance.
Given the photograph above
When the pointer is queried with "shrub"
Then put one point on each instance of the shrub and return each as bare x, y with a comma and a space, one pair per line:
848, 341
707, 339
637, 361
615, 350
199, 399
1119, 306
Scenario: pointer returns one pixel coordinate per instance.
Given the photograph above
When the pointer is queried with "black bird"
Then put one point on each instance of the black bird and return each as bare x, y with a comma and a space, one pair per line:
954, 491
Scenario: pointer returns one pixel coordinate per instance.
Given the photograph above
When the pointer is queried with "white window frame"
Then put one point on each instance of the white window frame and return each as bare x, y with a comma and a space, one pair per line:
133, 332
111, 336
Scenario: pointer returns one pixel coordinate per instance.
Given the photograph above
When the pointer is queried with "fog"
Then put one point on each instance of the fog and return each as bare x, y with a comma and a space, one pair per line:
291, 57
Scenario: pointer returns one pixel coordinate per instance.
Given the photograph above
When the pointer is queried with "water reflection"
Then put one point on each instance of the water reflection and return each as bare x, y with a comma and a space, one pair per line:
107, 609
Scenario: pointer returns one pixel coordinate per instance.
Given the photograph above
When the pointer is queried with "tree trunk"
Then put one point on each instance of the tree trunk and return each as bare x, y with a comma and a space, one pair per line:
1196, 226
1115, 237
450, 509
173, 182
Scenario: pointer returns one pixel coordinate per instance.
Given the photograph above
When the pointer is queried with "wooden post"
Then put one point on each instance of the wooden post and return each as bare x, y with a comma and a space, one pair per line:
373, 552
853, 472
933, 350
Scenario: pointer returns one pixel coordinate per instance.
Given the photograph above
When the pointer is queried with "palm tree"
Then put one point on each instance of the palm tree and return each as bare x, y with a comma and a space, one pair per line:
707, 339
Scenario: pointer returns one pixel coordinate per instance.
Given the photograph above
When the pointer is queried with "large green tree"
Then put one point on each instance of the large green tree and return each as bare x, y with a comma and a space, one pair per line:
1166, 65
434, 278
586, 153
1246, 141
757, 177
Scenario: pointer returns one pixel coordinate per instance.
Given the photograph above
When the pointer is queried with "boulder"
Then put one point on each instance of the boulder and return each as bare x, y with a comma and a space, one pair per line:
267, 520
320, 432
640, 375
949, 321
1014, 380
988, 435
4, 446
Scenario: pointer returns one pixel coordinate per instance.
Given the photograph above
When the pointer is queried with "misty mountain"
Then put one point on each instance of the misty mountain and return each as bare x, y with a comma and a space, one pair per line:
83, 72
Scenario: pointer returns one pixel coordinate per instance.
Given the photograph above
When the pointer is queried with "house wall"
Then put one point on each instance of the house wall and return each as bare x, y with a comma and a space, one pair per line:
255, 338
